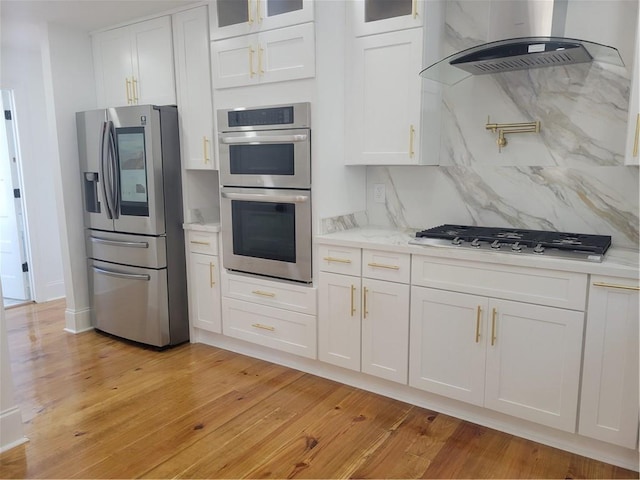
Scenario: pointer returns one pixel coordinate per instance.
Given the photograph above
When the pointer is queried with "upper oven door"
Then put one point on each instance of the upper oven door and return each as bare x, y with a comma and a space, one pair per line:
268, 158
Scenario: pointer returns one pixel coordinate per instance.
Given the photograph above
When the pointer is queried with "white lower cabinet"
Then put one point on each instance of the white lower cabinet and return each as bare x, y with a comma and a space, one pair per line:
609, 401
275, 314
512, 357
363, 323
204, 281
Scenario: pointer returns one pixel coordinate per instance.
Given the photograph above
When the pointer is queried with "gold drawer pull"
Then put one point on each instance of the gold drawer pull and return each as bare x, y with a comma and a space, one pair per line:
478, 315
382, 265
364, 308
263, 294
200, 243
205, 149
339, 260
353, 308
211, 281
613, 285
263, 327
412, 134
493, 327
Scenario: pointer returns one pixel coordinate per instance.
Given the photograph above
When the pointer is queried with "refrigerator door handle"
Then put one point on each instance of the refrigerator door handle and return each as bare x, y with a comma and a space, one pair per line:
106, 189
113, 167
116, 243
131, 276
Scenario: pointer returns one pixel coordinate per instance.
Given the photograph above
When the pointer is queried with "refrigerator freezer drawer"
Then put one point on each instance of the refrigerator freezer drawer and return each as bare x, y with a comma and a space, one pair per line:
138, 250
130, 302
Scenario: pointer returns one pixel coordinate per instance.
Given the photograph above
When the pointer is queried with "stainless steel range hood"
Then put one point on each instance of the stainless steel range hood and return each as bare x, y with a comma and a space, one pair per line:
542, 43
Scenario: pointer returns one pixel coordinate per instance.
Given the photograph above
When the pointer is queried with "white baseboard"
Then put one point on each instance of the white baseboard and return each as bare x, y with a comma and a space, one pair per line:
11, 433
77, 321
54, 290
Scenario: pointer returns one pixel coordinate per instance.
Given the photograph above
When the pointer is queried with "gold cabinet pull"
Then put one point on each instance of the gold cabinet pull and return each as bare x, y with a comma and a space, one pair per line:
251, 52
353, 308
205, 150
211, 282
613, 285
414, 8
338, 260
478, 315
128, 87
134, 88
200, 243
263, 294
412, 134
382, 265
249, 16
635, 141
258, 11
260, 69
493, 327
263, 327
364, 307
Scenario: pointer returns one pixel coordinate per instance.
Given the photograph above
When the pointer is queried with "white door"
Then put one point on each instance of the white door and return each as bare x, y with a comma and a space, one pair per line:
12, 254
384, 105
286, 54
448, 343
533, 362
154, 78
281, 13
385, 329
378, 16
193, 81
204, 283
113, 67
609, 400
234, 61
339, 320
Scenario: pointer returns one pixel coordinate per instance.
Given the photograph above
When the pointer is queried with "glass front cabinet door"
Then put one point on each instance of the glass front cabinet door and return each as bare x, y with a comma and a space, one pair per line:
379, 16
230, 18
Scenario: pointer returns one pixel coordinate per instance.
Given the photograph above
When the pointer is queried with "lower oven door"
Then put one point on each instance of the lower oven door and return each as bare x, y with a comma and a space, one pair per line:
267, 232
130, 302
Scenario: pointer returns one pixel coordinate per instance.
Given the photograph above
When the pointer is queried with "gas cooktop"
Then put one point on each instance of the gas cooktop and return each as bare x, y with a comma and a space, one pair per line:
577, 246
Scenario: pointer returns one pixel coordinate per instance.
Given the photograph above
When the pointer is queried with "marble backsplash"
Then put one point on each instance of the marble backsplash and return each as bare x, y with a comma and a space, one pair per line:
570, 177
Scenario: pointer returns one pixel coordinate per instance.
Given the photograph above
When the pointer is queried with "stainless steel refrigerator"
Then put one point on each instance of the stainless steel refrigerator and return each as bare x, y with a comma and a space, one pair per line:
130, 165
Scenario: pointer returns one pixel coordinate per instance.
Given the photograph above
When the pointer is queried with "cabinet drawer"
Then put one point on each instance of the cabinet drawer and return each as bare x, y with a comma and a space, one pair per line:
296, 298
345, 260
382, 265
272, 327
532, 285
203, 242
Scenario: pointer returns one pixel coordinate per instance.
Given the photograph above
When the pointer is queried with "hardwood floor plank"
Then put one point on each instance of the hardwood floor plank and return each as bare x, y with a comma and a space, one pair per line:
98, 407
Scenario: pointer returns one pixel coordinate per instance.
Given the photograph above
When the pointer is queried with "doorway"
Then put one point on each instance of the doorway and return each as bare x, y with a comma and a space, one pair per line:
14, 245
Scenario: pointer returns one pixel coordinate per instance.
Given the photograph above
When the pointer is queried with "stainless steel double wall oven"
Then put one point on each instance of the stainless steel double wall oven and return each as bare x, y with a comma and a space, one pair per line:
265, 173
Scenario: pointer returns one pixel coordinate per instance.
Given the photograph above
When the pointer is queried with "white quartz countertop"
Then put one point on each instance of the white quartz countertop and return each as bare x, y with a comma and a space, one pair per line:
618, 262
202, 227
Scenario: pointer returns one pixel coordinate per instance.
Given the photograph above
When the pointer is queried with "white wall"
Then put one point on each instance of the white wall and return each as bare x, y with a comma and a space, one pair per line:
69, 88
21, 71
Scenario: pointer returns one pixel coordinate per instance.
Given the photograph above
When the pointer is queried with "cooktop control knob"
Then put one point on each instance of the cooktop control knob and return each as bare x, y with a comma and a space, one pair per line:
495, 244
516, 247
538, 249
475, 243
457, 241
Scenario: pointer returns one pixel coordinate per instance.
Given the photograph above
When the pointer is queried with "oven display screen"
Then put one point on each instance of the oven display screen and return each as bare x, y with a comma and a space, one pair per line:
264, 230
261, 116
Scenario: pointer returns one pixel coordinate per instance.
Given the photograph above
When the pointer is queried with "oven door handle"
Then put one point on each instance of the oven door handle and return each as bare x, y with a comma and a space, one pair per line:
260, 197
256, 140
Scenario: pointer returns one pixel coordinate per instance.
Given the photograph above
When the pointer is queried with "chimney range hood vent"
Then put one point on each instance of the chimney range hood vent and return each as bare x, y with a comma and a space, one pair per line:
519, 54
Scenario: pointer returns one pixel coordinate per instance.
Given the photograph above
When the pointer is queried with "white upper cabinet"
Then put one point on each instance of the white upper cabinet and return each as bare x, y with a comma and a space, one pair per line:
134, 64
378, 16
193, 82
632, 156
232, 18
383, 105
272, 56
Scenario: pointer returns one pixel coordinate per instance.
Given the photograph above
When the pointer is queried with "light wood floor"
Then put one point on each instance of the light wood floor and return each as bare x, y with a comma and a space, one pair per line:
95, 407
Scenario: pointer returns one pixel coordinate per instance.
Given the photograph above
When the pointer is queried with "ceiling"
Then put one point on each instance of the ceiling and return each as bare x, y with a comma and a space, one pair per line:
20, 18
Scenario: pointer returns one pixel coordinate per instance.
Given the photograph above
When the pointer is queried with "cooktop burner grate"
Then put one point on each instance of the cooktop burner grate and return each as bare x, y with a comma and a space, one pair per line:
513, 240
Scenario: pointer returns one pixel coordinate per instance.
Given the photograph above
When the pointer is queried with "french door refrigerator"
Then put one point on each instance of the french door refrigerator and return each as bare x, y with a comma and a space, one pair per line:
130, 166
